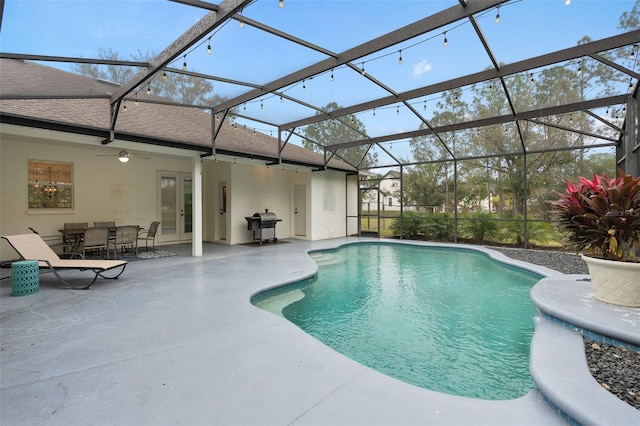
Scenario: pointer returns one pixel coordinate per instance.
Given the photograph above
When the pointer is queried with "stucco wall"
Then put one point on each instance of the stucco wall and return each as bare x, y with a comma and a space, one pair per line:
255, 188
328, 203
104, 188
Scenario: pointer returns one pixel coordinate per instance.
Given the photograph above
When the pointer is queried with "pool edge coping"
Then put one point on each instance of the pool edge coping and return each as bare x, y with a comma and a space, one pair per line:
549, 275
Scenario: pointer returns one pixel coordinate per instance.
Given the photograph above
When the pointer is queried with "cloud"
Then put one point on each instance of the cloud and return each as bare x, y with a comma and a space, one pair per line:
421, 68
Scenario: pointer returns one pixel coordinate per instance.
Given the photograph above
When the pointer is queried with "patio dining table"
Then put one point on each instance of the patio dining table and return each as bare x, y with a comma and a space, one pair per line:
76, 237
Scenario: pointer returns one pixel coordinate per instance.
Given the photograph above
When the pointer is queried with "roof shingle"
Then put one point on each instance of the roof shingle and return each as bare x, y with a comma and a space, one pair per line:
49, 95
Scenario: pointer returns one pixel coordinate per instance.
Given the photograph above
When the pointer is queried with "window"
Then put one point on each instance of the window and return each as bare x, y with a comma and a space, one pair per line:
390, 201
50, 185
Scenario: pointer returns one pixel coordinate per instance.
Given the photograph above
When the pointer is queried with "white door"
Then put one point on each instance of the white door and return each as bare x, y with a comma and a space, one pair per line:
300, 210
222, 227
175, 206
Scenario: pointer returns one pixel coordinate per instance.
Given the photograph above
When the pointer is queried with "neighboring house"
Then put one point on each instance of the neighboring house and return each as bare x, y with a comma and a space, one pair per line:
387, 193
390, 191
201, 190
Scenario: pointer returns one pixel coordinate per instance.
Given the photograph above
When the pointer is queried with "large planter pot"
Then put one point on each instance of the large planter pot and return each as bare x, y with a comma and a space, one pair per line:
615, 282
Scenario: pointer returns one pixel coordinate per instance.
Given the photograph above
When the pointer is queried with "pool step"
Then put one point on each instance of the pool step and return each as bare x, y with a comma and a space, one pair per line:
276, 303
323, 259
561, 374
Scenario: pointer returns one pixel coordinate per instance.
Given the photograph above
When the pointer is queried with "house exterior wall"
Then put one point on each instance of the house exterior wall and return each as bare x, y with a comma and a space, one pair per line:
390, 188
106, 189
328, 204
255, 188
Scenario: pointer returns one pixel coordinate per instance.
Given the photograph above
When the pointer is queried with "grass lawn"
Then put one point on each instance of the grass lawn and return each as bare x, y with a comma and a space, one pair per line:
501, 232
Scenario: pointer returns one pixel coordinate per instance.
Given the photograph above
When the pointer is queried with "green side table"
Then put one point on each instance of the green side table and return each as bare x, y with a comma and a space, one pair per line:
25, 277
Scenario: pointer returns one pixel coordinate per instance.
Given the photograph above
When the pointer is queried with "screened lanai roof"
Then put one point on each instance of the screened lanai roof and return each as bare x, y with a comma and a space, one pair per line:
383, 65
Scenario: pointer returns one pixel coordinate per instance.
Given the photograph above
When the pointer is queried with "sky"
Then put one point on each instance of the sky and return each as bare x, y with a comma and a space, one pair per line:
80, 28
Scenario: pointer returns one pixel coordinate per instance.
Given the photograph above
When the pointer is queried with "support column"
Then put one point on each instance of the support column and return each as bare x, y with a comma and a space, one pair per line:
525, 212
401, 202
631, 141
196, 241
455, 200
628, 150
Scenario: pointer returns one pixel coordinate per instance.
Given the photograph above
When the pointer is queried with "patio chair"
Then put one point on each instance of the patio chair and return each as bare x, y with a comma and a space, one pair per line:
96, 239
70, 238
33, 247
149, 235
126, 238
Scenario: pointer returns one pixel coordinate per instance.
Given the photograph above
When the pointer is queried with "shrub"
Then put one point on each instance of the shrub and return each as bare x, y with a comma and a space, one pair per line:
601, 216
412, 225
480, 227
538, 232
438, 227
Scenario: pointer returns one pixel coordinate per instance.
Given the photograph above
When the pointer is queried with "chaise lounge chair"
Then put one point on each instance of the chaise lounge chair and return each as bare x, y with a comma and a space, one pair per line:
33, 247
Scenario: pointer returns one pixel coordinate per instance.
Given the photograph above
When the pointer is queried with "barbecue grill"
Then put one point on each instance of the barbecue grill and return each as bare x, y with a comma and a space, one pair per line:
263, 226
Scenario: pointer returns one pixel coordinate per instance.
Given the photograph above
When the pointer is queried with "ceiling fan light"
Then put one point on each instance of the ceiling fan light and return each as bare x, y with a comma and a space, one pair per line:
123, 156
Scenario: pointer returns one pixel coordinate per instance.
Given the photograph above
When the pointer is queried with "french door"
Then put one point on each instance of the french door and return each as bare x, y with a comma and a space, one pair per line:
175, 206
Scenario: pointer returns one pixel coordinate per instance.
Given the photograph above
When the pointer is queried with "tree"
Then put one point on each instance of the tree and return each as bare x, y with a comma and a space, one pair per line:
500, 168
330, 132
432, 183
424, 186
112, 73
177, 87
630, 20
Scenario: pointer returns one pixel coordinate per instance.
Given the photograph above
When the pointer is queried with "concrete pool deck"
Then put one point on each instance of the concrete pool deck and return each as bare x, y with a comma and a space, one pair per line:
176, 341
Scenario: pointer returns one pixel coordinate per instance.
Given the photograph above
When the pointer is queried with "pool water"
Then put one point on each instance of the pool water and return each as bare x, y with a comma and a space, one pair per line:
446, 319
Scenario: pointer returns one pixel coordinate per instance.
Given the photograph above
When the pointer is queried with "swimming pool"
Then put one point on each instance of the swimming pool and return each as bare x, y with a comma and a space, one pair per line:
447, 319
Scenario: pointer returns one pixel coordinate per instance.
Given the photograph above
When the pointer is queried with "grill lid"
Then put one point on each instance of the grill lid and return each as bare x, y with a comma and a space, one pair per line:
267, 216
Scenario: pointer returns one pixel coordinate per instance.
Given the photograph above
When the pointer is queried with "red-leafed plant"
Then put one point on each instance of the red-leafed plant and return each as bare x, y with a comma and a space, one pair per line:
601, 216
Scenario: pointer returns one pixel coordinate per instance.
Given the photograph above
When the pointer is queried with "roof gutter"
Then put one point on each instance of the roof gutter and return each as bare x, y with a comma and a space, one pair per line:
19, 120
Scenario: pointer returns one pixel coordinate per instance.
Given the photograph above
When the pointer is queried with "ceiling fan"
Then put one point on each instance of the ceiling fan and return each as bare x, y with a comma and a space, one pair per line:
124, 156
